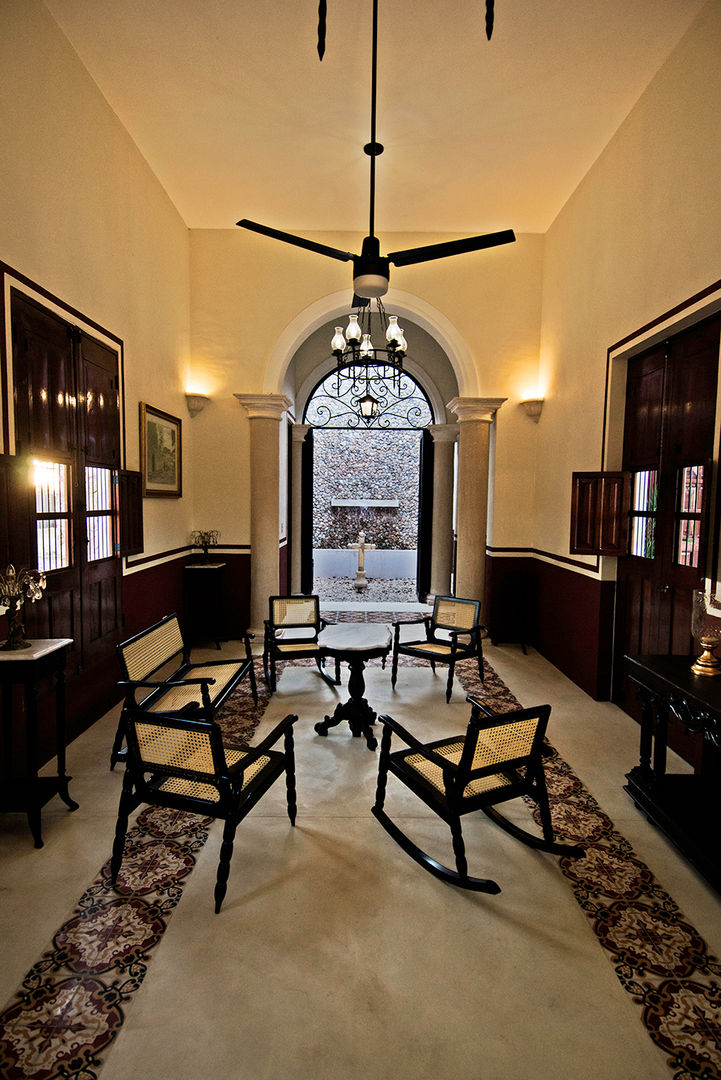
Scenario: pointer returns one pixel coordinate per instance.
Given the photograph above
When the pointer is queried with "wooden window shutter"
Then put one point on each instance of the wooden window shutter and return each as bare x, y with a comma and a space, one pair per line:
130, 512
600, 503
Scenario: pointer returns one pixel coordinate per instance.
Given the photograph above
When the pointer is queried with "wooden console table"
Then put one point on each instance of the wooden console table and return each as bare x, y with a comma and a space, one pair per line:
23, 789
686, 806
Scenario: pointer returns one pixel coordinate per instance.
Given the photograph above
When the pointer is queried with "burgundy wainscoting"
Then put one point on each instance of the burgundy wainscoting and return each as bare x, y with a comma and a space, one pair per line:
151, 593
156, 591
570, 616
237, 592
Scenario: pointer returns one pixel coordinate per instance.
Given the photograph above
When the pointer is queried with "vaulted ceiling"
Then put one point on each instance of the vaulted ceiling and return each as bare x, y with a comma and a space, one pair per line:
237, 117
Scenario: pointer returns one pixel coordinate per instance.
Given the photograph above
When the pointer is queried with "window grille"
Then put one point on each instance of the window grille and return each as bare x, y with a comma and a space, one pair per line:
643, 513
99, 521
689, 507
52, 514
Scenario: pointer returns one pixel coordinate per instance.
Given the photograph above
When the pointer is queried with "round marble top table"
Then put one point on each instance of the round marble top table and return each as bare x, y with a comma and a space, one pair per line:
354, 644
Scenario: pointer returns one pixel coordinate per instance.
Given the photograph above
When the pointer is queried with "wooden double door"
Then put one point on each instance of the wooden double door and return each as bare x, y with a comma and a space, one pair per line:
668, 449
64, 480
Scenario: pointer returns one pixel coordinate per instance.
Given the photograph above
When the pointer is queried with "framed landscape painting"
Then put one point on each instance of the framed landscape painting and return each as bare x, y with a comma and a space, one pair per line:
161, 458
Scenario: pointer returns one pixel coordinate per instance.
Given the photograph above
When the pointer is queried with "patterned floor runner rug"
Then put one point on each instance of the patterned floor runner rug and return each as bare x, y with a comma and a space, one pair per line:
72, 1003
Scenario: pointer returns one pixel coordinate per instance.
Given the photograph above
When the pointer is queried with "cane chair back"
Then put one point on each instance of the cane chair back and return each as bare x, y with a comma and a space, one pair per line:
500, 757
451, 613
145, 654
452, 632
182, 763
295, 611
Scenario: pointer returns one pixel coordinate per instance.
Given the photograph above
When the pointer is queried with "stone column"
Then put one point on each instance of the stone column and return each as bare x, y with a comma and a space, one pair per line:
298, 434
265, 412
475, 416
444, 437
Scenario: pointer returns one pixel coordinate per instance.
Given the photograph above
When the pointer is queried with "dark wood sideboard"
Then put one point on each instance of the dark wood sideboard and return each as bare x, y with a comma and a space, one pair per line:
686, 806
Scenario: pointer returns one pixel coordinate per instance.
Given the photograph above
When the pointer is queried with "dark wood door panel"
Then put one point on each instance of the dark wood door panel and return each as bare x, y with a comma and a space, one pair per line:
100, 400
44, 378
669, 431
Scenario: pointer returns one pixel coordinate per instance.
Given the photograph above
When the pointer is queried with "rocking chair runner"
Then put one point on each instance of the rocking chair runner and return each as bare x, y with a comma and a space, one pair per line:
182, 763
499, 758
291, 633
453, 633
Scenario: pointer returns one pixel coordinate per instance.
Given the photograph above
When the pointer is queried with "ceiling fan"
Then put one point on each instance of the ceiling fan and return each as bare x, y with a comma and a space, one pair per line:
371, 270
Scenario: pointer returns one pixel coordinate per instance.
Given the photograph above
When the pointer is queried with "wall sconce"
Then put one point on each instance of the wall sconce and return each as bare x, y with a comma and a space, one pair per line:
533, 408
196, 403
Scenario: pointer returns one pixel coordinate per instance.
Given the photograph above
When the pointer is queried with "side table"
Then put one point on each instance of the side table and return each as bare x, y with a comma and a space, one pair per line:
203, 594
354, 643
25, 790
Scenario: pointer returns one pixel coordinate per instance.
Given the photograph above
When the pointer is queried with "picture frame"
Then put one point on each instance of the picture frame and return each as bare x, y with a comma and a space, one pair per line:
161, 456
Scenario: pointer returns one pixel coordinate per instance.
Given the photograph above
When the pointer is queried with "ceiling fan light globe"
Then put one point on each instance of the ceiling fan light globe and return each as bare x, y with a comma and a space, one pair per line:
370, 286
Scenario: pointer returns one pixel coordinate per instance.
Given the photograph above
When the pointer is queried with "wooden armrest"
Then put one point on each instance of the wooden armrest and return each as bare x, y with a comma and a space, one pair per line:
409, 622
216, 663
415, 744
270, 739
131, 684
479, 705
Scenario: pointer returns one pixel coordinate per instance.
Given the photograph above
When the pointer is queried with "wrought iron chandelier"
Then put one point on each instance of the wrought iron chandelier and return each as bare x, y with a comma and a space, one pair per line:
358, 359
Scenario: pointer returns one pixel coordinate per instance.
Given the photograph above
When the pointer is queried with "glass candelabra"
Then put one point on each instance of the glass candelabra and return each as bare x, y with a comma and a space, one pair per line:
15, 589
204, 538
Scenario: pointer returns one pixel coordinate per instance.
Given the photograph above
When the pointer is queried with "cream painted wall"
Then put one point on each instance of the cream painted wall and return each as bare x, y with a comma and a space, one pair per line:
246, 289
641, 234
84, 217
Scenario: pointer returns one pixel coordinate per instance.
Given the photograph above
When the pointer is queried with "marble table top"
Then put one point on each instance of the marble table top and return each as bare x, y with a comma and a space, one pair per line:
355, 637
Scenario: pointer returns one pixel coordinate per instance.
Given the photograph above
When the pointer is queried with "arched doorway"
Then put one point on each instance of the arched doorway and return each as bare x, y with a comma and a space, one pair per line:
371, 486
410, 404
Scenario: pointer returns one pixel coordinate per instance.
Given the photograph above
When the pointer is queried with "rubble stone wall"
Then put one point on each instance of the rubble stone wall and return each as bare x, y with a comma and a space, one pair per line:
363, 465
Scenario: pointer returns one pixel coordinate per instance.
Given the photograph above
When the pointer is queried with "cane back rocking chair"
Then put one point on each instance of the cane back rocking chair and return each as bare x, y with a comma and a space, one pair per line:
291, 633
452, 633
182, 763
499, 758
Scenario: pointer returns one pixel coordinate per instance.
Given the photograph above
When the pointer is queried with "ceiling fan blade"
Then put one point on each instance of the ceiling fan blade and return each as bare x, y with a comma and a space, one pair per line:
298, 241
451, 247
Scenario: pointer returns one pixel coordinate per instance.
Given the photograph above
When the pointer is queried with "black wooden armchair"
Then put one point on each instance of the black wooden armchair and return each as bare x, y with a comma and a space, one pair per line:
291, 633
499, 758
452, 633
182, 763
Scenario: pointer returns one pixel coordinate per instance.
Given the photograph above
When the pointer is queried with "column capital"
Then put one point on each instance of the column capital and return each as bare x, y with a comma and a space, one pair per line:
475, 408
298, 432
444, 433
266, 406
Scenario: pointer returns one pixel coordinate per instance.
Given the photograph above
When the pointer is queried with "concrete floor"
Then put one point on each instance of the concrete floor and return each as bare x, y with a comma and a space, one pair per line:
335, 957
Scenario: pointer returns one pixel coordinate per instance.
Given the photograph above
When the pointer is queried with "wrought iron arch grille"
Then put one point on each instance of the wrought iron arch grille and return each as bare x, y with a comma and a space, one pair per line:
403, 404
